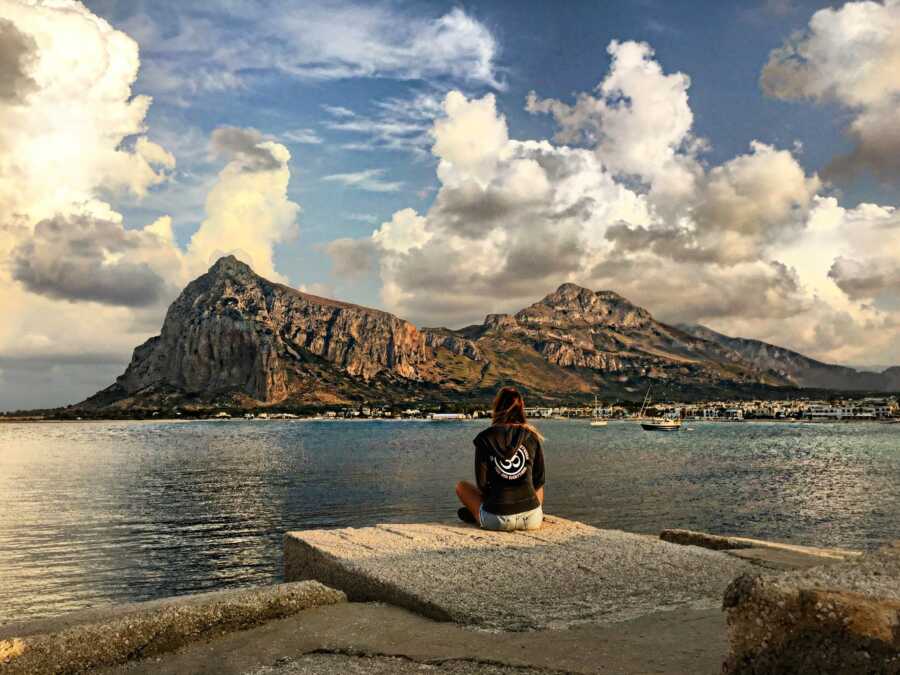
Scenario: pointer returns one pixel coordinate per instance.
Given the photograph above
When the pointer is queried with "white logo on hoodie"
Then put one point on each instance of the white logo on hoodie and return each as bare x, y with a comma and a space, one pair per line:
514, 467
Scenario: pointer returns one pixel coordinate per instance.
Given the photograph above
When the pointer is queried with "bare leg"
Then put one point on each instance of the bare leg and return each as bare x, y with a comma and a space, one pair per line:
540, 494
471, 498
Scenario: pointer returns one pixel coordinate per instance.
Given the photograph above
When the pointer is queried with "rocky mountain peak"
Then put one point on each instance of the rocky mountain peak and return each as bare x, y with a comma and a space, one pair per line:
234, 331
230, 268
571, 304
569, 294
234, 334
499, 321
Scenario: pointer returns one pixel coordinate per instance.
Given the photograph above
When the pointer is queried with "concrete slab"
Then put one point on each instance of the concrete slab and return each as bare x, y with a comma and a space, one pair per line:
718, 542
102, 637
562, 575
779, 559
841, 618
671, 643
347, 664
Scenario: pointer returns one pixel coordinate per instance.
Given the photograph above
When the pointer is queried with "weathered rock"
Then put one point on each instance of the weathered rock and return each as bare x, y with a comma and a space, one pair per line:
232, 329
798, 369
499, 322
564, 574
711, 541
236, 337
769, 554
441, 337
575, 327
573, 305
666, 643
105, 637
720, 543
841, 618
347, 664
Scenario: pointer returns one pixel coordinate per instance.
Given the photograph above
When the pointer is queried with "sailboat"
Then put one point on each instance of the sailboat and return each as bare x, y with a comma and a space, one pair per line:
657, 423
596, 420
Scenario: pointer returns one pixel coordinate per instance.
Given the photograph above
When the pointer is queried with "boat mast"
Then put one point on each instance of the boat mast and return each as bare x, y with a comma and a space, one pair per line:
644, 405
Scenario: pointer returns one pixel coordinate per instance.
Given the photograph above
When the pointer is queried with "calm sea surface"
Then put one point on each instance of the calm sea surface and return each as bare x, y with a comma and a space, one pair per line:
99, 512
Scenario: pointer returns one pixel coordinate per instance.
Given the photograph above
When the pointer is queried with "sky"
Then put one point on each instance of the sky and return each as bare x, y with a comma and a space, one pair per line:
730, 164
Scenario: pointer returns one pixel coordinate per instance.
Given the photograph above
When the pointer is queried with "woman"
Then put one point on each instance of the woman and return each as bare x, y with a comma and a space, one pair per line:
509, 470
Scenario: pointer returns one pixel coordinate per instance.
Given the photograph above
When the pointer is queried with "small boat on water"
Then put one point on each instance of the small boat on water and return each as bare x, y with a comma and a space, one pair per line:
661, 424
596, 420
657, 423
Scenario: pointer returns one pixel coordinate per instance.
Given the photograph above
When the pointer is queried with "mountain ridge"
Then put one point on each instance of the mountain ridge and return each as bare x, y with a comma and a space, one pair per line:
801, 370
233, 337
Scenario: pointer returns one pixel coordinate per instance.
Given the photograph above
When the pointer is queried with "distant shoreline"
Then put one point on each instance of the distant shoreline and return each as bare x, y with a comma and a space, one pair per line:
584, 420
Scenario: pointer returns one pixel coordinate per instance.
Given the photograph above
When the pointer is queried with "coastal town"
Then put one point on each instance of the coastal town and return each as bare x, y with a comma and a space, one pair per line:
862, 409
865, 408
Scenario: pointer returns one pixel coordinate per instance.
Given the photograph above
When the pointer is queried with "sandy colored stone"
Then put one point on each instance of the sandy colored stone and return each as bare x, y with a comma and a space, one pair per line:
841, 618
146, 629
667, 643
730, 543
564, 574
347, 664
714, 542
11, 649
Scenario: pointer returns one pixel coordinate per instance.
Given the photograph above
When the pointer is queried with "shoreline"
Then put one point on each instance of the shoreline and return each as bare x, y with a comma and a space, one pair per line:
584, 420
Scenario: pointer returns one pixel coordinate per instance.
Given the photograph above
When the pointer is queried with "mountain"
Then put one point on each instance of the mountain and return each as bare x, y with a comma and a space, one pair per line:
798, 369
235, 338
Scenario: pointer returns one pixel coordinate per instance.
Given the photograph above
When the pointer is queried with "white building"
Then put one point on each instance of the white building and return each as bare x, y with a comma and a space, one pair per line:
843, 411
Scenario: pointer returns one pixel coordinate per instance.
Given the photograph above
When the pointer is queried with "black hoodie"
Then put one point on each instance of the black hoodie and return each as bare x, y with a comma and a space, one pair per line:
509, 467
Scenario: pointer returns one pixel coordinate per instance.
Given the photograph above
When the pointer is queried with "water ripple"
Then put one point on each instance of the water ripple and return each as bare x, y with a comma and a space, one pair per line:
94, 513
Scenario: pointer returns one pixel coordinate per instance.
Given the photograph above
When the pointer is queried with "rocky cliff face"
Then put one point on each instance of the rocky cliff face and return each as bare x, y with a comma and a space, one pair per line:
233, 330
575, 327
234, 337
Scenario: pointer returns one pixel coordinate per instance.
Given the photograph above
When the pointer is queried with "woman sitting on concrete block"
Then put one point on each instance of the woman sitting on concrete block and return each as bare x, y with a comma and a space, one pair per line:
509, 471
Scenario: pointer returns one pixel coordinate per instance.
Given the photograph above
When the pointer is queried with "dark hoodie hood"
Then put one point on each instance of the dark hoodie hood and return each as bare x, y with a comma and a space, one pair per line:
503, 440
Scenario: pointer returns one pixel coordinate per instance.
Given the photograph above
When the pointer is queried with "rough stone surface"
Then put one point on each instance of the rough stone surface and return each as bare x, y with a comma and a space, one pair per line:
564, 574
730, 543
97, 638
779, 559
341, 664
799, 369
235, 338
713, 542
671, 643
232, 329
841, 618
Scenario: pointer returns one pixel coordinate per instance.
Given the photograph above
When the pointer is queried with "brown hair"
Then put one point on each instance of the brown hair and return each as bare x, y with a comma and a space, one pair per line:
509, 410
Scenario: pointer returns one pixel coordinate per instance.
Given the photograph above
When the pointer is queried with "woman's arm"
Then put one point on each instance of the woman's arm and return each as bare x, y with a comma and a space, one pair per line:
481, 473
537, 472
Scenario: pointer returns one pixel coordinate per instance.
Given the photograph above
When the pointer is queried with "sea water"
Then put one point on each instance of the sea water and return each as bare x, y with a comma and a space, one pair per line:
100, 512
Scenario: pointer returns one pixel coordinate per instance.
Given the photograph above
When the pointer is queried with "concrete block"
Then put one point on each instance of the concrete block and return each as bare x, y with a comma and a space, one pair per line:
840, 618
731, 543
109, 636
562, 575
714, 542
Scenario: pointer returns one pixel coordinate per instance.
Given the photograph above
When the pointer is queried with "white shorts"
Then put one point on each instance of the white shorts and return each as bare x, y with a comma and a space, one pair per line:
527, 520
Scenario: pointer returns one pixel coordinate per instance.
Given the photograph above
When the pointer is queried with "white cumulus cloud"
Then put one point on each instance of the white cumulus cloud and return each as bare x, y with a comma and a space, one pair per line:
78, 282
849, 56
750, 246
